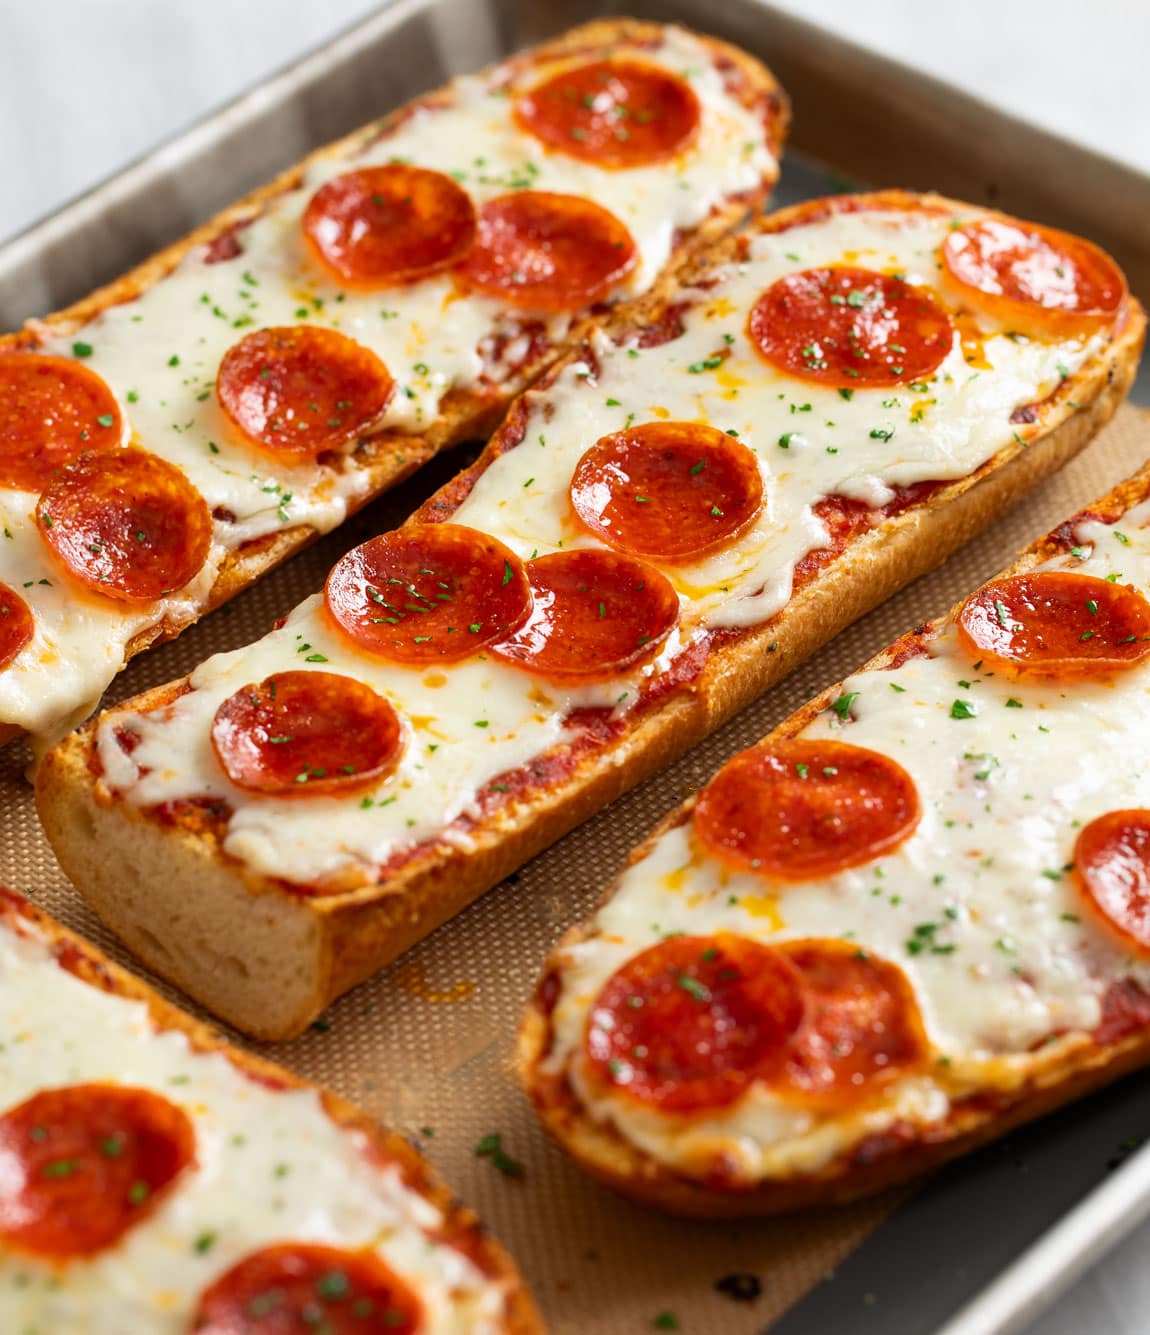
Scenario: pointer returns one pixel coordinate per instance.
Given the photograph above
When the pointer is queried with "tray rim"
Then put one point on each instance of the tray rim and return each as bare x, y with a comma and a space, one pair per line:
1029, 1286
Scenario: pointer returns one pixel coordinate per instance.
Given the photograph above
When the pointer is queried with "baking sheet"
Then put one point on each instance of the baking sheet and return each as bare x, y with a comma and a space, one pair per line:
427, 1045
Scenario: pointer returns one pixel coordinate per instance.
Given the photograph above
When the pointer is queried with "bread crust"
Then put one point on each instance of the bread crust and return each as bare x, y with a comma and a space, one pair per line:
344, 938
604, 1153
389, 457
461, 1225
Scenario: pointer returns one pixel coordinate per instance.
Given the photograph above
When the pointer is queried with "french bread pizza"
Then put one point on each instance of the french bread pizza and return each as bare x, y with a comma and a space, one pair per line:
170, 438
154, 1180
679, 512
914, 916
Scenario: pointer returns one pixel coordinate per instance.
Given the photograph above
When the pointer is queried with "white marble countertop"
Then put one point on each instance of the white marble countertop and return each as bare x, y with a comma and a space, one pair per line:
88, 85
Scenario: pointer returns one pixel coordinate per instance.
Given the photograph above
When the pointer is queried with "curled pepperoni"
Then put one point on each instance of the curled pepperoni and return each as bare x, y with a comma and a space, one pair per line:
547, 252
17, 625
312, 734
1112, 868
862, 1024
1035, 275
128, 525
83, 1164
800, 809
1056, 623
301, 391
296, 1288
380, 226
669, 490
691, 1022
615, 113
51, 410
850, 327
428, 593
594, 614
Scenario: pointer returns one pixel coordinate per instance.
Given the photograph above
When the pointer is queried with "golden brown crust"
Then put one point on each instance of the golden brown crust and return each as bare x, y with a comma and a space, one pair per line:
607, 1155
462, 1225
389, 456
603, 1153
349, 936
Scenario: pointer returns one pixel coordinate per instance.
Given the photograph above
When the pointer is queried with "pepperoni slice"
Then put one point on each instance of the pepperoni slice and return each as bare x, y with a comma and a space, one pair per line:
691, 1022
1035, 275
128, 525
17, 625
304, 1288
614, 113
594, 614
1112, 868
547, 252
380, 226
51, 410
302, 391
669, 490
1056, 623
310, 734
83, 1164
850, 328
800, 809
862, 1026
428, 593
1125, 1010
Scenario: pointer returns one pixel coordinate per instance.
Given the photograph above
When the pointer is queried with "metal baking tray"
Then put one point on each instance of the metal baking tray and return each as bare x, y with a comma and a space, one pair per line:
988, 1242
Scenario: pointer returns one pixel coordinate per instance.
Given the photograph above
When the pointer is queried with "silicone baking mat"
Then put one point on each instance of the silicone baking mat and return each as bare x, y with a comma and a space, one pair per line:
427, 1045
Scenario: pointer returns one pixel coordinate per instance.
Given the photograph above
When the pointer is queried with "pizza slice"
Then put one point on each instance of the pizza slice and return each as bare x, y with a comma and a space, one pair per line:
683, 509
155, 1180
914, 916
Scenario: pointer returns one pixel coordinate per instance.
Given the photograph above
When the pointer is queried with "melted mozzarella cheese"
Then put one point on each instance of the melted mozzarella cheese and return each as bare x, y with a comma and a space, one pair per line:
476, 141
159, 353
976, 907
80, 640
810, 441
271, 1166
858, 446
465, 724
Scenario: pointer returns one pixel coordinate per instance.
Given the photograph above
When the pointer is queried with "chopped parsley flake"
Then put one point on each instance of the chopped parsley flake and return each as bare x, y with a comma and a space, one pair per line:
491, 1147
842, 705
692, 986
